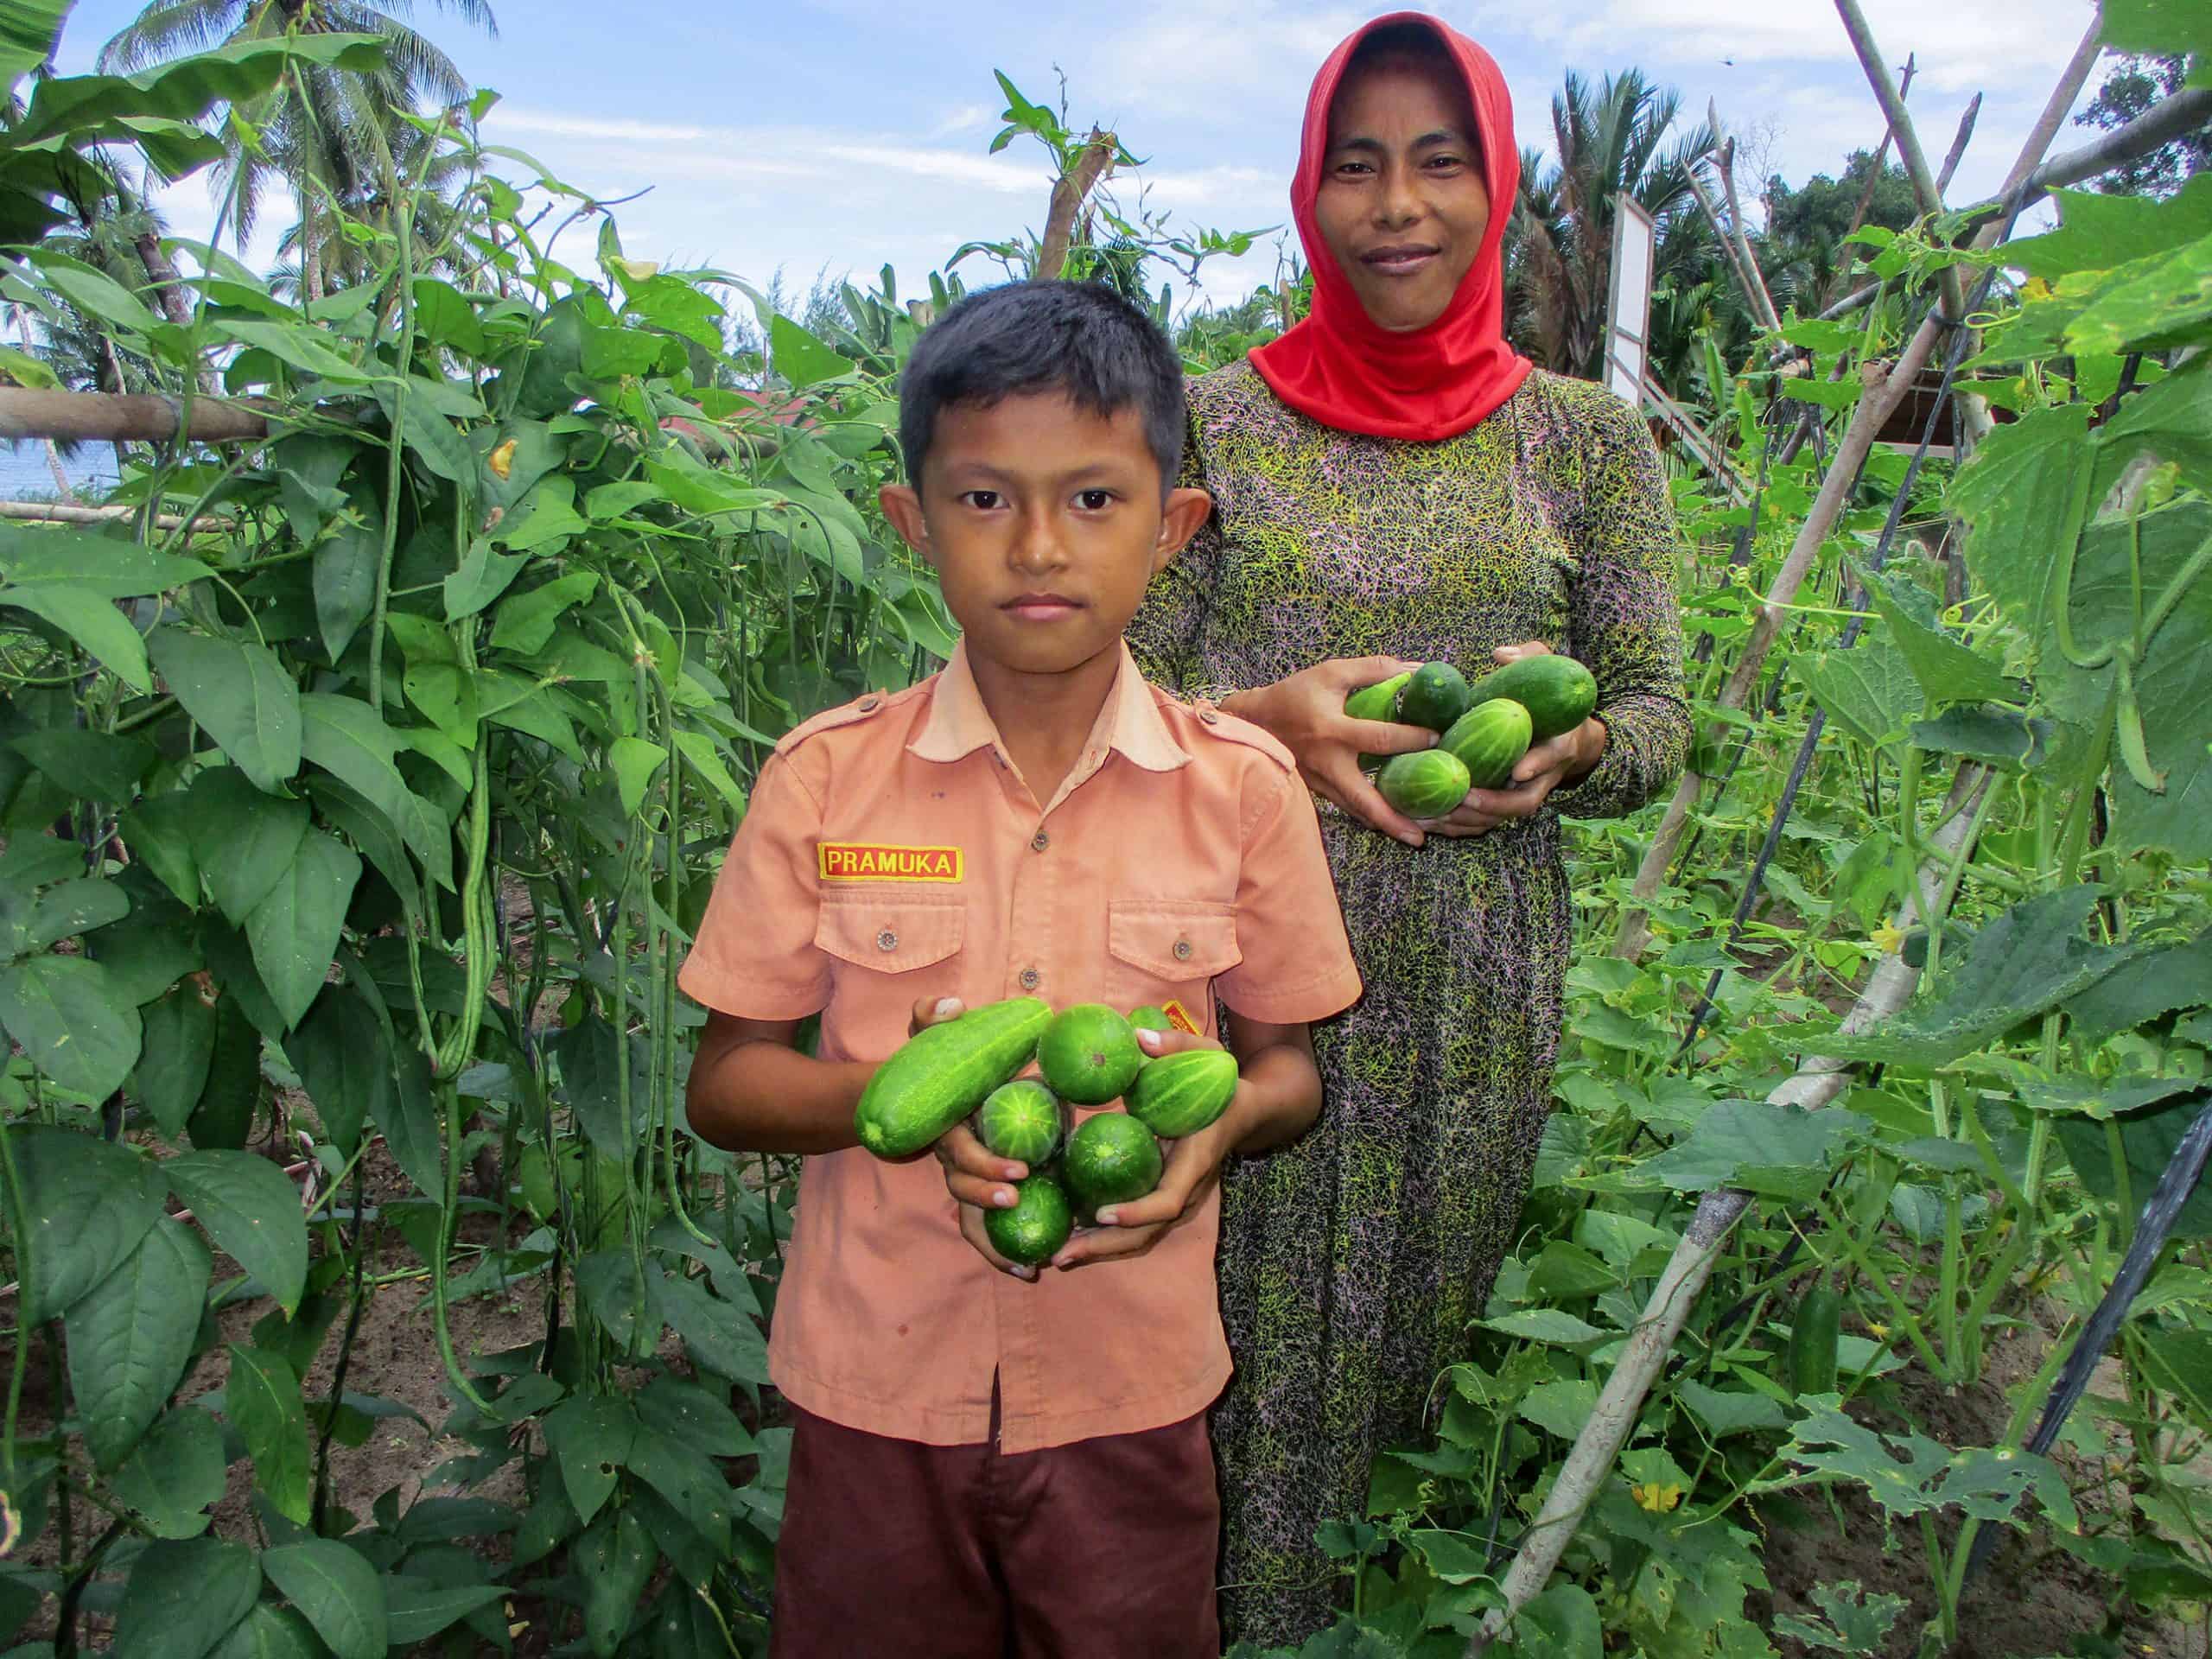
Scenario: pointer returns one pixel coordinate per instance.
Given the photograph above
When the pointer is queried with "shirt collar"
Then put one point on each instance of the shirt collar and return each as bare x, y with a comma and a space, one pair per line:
958, 724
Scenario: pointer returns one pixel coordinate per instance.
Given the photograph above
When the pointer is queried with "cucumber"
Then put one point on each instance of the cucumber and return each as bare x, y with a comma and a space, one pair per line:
1815, 1334
1379, 701
1022, 1120
1088, 1054
1557, 692
1036, 1226
1426, 784
1489, 740
1180, 1094
941, 1074
1437, 695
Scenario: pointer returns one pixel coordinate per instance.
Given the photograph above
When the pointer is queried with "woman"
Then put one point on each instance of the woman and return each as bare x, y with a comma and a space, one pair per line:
1392, 484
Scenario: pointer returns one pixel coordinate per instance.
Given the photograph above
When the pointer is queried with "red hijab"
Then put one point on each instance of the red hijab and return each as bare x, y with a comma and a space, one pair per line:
1336, 365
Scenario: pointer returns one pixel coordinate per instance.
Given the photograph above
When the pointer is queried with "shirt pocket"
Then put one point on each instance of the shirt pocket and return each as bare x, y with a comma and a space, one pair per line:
890, 934
1170, 948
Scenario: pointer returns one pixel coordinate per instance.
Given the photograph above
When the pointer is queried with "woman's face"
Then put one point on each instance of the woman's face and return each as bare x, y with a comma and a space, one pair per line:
1402, 204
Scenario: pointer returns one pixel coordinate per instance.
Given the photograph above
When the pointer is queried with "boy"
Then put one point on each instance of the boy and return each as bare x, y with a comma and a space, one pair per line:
986, 1459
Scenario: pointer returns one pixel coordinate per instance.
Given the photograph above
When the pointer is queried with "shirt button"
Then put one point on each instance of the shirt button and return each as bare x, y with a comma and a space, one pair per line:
1182, 949
868, 704
1030, 978
886, 940
1207, 717
1040, 842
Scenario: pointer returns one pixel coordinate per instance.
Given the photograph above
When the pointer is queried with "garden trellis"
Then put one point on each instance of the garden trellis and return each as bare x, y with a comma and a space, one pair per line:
364, 759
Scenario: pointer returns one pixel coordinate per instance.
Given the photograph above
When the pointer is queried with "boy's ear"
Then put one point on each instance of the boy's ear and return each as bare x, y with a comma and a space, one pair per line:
902, 506
1185, 515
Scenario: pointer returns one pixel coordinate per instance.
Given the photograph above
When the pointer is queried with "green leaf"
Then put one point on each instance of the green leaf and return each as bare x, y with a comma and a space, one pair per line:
345, 565
700, 489
799, 358
634, 762
443, 313
2170, 977
1562, 1622
2167, 27
42, 556
297, 345
262, 1399
2148, 1140
65, 1013
177, 1043
1869, 691
250, 1208
29, 29
69, 908
95, 766
590, 1436
345, 738
1724, 1413
720, 1337
1547, 1324
2003, 737
344, 1063
412, 1132
186, 88
371, 831
700, 754
176, 1475
1561, 1408
272, 1632
94, 1200
612, 1560
339, 1592
2025, 962
130, 1338
2151, 308
183, 1597
2097, 231
1783, 1151
293, 930
525, 620
240, 694
590, 1083
158, 831
1948, 671
94, 622
417, 1608
483, 576
93, 291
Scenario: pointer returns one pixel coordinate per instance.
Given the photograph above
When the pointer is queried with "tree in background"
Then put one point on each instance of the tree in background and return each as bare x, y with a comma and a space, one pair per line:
1802, 252
2134, 84
326, 134
1611, 140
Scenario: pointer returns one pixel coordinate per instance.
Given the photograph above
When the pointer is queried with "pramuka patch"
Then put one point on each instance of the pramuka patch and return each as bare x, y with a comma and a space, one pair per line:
853, 862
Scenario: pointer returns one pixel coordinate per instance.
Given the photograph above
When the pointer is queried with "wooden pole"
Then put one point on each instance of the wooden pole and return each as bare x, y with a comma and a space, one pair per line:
67, 513
117, 418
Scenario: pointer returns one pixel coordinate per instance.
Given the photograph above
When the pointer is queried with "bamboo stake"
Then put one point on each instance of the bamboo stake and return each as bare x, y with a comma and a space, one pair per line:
1817, 1081
66, 512
123, 418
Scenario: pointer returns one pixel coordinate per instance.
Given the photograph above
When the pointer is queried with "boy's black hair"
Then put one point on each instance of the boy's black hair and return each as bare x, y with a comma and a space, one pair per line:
1076, 338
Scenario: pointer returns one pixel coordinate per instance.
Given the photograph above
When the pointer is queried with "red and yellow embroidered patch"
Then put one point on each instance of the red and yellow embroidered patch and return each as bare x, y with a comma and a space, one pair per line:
853, 862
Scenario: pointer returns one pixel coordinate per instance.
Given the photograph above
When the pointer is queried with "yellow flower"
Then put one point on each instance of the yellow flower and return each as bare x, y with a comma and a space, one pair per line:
1654, 1498
503, 457
12, 1526
1880, 1333
2036, 289
1887, 938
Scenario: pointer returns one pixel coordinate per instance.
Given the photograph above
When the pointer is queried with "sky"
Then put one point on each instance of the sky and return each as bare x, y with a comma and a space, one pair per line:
836, 136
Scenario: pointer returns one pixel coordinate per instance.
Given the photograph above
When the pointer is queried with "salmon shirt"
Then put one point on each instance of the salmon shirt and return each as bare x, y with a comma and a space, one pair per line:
892, 852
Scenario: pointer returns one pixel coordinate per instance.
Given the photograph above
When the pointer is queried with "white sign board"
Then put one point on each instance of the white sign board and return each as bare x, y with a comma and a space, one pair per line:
1628, 303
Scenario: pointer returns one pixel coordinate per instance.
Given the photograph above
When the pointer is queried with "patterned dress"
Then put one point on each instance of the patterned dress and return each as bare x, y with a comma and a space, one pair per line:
1352, 1261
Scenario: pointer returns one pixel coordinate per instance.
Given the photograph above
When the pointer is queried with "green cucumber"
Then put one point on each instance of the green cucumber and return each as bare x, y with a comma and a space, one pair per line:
1022, 1120
941, 1074
1088, 1054
1557, 692
1426, 784
1437, 695
1111, 1158
1815, 1334
1489, 740
1040, 1222
1379, 701
1180, 1094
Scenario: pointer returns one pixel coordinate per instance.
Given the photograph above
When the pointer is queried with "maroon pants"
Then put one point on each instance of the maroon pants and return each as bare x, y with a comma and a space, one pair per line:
1103, 1550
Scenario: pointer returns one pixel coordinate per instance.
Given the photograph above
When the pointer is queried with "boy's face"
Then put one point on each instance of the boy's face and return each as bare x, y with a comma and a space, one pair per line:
1044, 524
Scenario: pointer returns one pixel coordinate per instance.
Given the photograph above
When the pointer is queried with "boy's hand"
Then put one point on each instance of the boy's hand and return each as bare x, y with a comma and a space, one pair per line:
1192, 1170
975, 1177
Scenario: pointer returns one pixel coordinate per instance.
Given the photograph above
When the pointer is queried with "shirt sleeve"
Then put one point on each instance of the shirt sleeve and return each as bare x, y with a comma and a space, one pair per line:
755, 954
1297, 963
1626, 621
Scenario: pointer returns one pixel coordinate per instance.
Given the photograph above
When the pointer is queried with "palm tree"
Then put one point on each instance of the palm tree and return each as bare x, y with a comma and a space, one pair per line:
1610, 143
429, 176
328, 131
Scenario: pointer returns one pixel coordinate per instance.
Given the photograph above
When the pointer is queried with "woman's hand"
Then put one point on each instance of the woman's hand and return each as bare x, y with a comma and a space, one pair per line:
1305, 712
1546, 766
977, 1177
